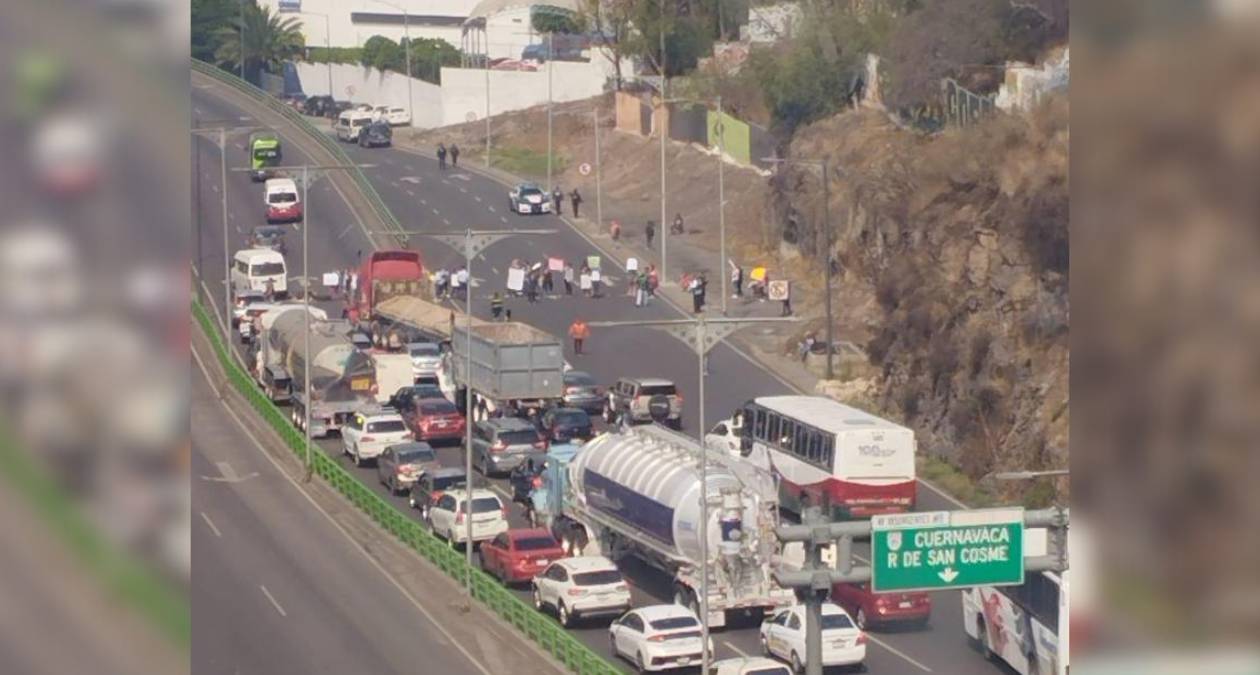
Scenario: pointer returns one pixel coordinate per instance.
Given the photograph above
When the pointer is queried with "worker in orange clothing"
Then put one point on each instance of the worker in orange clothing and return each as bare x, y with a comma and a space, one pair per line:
579, 331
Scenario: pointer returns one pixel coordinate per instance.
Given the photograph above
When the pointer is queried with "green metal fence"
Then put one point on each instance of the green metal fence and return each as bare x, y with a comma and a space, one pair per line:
327, 142
538, 627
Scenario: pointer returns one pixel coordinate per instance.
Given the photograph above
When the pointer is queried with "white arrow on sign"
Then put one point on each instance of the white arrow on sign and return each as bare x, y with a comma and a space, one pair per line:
948, 574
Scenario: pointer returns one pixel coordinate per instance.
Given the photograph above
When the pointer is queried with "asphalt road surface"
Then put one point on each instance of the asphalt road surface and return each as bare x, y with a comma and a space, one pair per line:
426, 199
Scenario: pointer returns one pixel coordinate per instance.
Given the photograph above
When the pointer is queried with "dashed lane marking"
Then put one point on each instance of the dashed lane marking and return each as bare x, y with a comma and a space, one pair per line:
273, 601
210, 524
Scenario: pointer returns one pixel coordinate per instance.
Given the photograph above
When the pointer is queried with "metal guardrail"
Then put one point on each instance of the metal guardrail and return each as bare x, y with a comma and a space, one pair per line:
365, 186
540, 628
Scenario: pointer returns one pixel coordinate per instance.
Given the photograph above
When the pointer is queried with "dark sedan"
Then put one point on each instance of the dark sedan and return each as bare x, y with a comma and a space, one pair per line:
581, 391
561, 425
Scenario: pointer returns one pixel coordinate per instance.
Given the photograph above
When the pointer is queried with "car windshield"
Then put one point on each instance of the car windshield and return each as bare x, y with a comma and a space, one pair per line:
535, 543
281, 197
674, 622
416, 455
266, 269
424, 349
836, 621
572, 418
426, 391
600, 578
443, 482
657, 389
266, 153
486, 505
531, 192
438, 408
579, 379
386, 426
518, 437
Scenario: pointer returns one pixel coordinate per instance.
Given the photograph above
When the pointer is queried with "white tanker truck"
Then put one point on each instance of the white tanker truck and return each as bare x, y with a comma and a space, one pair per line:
636, 492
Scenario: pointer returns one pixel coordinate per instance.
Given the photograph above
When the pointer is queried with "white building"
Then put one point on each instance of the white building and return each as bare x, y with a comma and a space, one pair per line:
503, 29
349, 23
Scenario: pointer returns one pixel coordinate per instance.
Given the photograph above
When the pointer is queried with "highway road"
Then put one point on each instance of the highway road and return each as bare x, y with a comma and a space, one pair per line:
425, 199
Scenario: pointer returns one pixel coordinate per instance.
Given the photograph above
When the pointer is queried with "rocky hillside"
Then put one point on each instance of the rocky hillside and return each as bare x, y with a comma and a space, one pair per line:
954, 250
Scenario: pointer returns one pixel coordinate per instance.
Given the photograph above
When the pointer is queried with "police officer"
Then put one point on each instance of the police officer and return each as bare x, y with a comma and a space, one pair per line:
496, 305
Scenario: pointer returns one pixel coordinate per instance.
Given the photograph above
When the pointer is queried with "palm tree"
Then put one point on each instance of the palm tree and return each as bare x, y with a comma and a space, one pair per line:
269, 41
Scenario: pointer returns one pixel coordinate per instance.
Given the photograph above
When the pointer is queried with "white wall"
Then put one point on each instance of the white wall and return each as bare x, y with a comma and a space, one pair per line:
375, 87
464, 89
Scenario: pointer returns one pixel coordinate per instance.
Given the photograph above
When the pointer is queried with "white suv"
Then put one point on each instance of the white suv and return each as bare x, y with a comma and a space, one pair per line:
489, 516
843, 644
586, 586
369, 432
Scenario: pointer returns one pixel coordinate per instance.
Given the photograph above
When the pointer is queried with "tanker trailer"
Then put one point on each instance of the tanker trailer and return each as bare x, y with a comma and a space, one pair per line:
636, 492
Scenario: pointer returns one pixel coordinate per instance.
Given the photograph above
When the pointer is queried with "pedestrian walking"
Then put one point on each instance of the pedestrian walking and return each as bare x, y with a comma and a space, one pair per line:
441, 153
548, 284
531, 286
576, 199
654, 280
737, 279
641, 290
483, 409
597, 278
496, 305
614, 229
584, 280
454, 155
579, 331
787, 305
557, 201
354, 283
464, 285
269, 294
677, 227
650, 232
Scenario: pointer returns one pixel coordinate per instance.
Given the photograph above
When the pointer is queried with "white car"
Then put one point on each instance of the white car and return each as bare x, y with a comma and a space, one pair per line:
426, 358
843, 644
657, 637
726, 436
369, 432
489, 516
748, 665
528, 198
585, 586
393, 115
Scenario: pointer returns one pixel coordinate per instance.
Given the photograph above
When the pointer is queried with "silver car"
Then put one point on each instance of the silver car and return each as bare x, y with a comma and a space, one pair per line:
500, 445
581, 391
426, 358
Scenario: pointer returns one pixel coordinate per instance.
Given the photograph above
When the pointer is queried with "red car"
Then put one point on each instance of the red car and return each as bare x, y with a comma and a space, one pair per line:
516, 556
433, 419
882, 609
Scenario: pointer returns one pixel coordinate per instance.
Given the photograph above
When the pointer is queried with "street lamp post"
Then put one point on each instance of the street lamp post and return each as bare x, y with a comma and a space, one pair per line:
702, 335
599, 188
825, 164
549, 59
411, 112
473, 243
306, 299
327, 45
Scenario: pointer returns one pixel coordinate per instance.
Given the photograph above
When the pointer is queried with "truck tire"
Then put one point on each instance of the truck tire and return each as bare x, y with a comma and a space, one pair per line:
658, 408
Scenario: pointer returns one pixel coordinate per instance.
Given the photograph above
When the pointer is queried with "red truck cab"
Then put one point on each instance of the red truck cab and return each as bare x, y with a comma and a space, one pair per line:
385, 274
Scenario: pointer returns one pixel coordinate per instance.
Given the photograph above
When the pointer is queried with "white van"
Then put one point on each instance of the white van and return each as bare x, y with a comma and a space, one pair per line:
252, 268
281, 200
351, 123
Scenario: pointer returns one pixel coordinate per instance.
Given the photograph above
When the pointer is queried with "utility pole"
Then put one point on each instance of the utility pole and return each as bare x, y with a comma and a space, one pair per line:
411, 112
702, 335
473, 243
599, 187
486, 65
664, 131
327, 46
721, 121
241, 5
826, 185
306, 299
549, 58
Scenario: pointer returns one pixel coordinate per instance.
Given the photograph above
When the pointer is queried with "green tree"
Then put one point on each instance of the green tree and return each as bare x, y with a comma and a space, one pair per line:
428, 55
269, 41
208, 16
382, 53
546, 19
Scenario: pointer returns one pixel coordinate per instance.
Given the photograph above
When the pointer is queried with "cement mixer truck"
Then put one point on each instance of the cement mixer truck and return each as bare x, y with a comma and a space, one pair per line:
636, 492
343, 378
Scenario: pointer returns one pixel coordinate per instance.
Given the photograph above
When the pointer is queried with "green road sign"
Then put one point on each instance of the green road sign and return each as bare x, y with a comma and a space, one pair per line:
947, 549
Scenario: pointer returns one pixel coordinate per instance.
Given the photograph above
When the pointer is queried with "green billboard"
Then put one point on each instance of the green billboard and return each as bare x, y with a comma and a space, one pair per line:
947, 549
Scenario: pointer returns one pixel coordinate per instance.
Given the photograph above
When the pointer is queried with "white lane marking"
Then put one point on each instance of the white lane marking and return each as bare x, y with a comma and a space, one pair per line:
411, 192
435, 212
345, 231
272, 598
210, 523
423, 202
354, 543
494, 269
478, 199
491, 209
503, 218
463, 190
445, 182
446, 220
735, 649
197, 110
215, 187
240, 230
898, 652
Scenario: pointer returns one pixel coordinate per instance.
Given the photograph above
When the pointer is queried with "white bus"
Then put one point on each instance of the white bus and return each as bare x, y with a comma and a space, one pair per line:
862, 464
1025, 626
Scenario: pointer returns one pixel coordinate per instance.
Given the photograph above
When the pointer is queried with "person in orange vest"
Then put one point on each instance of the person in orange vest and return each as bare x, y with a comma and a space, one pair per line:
579, 331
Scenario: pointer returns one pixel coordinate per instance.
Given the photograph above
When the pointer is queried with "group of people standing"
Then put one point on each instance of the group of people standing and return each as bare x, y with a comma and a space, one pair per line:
451, 283
557, 201
442, 152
